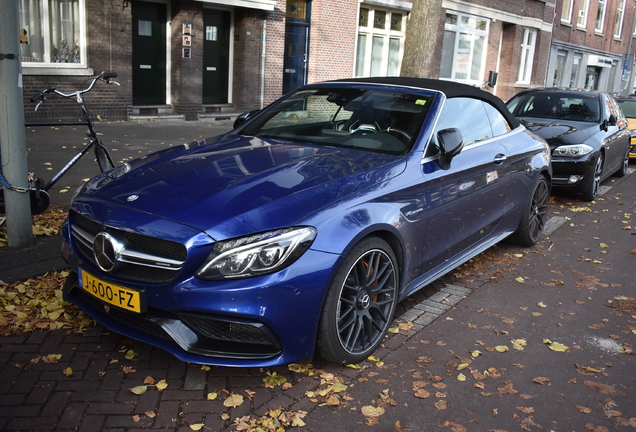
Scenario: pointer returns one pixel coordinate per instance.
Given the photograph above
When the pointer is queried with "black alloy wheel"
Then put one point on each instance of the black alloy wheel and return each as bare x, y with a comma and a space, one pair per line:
360, 303
624, 168
535, 215
593, 182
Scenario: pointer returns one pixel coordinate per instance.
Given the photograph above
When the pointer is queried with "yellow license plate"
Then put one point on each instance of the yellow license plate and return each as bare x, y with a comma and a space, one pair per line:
116, 295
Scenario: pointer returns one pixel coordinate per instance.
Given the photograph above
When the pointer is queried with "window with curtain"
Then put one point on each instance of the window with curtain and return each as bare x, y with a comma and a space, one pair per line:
464, 48
600, 16
566, 12
620, 14
380, 42
52, 32
583, 7
527, 55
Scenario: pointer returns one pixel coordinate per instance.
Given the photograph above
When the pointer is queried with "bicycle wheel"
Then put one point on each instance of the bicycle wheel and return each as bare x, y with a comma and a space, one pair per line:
103, 158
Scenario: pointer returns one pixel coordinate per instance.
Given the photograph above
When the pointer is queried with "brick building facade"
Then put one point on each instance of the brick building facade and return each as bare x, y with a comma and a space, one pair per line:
208, 57
591, 44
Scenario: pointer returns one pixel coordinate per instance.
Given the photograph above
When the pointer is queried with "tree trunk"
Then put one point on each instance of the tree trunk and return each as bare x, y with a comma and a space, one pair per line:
421, 38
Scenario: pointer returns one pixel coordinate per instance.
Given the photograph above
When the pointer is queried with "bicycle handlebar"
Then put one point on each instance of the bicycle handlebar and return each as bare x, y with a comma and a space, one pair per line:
42, 93
104, 76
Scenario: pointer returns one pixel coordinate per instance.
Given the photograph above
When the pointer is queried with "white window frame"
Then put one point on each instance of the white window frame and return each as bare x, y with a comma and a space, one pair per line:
458, 29
582, 15
566, 12
386, 33
528, 45
46, 30
600, 16
620, 17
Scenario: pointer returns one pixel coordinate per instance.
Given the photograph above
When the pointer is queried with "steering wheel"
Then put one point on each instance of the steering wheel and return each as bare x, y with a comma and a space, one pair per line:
363, 128
399, 133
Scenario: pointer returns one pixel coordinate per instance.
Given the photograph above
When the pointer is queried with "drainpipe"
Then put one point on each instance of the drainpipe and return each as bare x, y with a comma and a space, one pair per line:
263, 56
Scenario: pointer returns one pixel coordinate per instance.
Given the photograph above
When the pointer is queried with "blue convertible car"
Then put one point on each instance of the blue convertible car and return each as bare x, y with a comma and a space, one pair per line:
299, 231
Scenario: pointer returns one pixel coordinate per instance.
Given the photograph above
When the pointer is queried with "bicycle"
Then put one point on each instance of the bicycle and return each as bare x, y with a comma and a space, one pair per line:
38, 190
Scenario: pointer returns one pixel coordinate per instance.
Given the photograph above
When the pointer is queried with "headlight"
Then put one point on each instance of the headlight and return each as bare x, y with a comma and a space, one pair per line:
257, 254
575, 150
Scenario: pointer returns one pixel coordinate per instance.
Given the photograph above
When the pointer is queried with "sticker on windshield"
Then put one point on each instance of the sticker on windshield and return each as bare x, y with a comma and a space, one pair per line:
420, 102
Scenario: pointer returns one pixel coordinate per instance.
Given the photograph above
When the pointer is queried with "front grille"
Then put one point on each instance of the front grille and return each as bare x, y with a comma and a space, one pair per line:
143, 270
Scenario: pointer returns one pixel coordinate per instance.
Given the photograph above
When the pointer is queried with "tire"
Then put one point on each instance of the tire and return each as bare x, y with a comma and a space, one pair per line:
534, 216
624, 168
360, 303
103, 158
593, 180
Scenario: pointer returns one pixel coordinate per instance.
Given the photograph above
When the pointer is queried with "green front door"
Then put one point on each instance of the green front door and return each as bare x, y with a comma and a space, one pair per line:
216, 56
149, 53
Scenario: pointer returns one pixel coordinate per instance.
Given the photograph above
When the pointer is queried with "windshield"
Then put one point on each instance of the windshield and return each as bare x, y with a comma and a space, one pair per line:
373, 120
628, 106
556, 105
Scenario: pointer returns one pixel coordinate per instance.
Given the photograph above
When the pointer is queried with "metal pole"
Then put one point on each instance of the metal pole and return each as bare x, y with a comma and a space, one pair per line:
630, 60
12, 134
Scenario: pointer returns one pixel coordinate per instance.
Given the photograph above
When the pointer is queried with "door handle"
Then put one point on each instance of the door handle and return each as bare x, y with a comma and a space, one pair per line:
499, 159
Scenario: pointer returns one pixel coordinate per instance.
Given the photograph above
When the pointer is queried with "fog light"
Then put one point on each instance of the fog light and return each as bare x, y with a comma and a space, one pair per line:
573, 179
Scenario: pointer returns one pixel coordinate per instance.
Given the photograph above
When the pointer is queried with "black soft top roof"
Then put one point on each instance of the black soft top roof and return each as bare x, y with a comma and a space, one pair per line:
450, 88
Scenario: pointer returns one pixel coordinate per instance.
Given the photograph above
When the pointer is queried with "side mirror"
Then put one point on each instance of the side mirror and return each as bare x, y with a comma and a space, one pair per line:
243, 117
612, 120
451, 142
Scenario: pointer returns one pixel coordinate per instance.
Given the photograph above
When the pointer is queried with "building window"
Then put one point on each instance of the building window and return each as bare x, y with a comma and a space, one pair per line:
558, 70
52, 32
620, 14
576, 67
464, 48
583, 7
380, 42
600, 16
527, 55
566, 12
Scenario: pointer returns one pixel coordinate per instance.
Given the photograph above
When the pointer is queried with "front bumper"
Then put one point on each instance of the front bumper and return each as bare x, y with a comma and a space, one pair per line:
256, 322
632, 148
571, 173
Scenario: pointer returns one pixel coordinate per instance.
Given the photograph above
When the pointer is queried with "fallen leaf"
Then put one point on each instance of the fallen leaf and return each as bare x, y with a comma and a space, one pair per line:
422, 394
151, 414
233, 401
138, 390
501, 348
583, 409
461, 377
520, 279
587, 370
441, 404
541, 380
541, 304
555, 346
599, 387
136, 418
161, 385
197, 426
68, 371
371, 411
131, 354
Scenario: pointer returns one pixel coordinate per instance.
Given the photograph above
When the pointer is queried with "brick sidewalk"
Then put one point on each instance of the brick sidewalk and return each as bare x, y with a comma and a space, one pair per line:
36, 394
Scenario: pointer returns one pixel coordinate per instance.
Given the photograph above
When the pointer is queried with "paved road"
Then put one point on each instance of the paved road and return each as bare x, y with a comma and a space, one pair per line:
50, 148
426, 376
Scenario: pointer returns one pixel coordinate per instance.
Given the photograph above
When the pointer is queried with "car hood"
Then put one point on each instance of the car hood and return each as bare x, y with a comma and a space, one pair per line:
561, 132
233, 185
